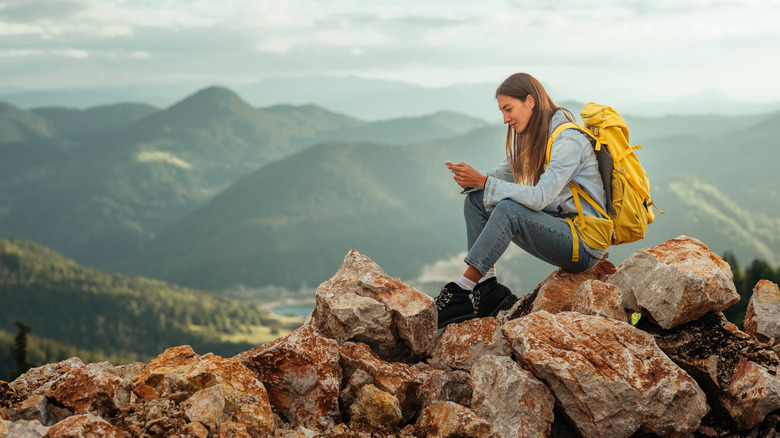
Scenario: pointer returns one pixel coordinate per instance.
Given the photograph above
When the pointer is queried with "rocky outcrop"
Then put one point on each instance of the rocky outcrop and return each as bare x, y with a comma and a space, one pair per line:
302, 375
211, 390
362, 303
376, 407
370, 363
594, 297
762, 318
741, 376
511, 398
460, 345
675, 282
451, 420
610, 378
555, 293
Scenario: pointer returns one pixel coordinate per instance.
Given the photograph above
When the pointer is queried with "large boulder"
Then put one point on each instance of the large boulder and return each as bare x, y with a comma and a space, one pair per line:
451, 420
362, 303
594, 297
555, 293
157, 417
376, 407
36, 407
514, 401
398, 379
740, 376
675, 282
22, 428
610, 379
85, 425
762, 318
302, 375
460, 345
443, 386
94, 388
53, 392
211, 389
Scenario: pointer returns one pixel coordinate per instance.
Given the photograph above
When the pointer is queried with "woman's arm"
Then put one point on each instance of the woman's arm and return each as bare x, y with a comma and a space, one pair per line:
502, 172
564, 160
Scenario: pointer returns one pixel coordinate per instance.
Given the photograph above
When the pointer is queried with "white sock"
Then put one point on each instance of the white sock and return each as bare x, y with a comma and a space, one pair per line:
488, 275
465, 284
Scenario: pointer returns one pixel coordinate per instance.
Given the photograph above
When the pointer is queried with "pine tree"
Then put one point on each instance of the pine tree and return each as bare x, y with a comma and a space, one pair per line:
19, 351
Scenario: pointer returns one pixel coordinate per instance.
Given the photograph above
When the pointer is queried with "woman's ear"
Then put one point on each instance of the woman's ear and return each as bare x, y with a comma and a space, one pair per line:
531, 101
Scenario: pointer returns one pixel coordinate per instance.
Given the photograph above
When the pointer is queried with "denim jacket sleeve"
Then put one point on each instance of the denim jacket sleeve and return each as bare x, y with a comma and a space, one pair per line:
502, 172
564, 161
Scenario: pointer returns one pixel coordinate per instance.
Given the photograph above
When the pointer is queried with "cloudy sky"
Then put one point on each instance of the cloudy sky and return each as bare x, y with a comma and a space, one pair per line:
641, 50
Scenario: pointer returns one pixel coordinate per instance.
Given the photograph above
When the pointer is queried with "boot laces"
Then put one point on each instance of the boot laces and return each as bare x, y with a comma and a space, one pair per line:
475, 300
444, 297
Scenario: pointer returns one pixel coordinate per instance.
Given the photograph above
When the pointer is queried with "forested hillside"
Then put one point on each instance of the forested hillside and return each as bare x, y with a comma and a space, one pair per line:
400, 205
99, 184
73, 308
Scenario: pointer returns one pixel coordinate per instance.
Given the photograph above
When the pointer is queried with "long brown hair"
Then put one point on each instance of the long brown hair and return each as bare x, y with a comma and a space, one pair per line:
525, 151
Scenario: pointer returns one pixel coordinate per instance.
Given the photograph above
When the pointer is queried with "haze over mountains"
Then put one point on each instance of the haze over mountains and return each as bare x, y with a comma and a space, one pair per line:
213, 192
368, 99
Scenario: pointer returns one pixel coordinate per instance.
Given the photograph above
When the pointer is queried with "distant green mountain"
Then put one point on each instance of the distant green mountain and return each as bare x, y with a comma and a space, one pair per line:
119, 316
103, 200
83, 126
292, 222
18, 125
442, 124
26, 141
374, 99
739, 163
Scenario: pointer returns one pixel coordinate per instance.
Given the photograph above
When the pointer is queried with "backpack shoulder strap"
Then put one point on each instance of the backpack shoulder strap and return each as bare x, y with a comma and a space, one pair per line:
560, 128
577, 192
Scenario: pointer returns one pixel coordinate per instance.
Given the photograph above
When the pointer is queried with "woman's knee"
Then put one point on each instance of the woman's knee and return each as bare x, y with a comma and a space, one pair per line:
473, 202
510, 207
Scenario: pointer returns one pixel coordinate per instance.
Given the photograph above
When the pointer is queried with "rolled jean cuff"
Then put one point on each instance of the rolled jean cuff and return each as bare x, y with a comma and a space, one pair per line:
476, 265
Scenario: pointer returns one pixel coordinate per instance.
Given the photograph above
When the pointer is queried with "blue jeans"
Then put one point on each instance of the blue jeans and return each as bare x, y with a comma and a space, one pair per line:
540, 234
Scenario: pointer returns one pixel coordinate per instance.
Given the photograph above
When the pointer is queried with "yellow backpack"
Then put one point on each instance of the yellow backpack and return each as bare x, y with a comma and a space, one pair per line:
625, 183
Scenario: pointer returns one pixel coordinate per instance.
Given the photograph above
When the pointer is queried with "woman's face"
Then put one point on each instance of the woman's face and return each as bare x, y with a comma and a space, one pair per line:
516, 112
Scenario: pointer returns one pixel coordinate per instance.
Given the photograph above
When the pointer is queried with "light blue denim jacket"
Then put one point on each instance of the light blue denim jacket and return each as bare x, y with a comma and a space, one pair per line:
571, 159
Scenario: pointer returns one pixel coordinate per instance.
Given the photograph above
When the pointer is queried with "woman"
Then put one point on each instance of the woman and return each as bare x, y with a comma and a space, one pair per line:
523, 201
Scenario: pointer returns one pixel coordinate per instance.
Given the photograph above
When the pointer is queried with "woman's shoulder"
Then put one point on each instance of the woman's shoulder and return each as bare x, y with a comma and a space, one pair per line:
560, 117
573, 137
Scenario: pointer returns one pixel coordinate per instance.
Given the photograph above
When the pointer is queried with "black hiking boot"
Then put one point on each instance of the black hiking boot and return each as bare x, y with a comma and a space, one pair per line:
453, 305
490, 297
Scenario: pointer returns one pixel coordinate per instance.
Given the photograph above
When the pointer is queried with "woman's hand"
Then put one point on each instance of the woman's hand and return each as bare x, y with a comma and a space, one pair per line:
467, 176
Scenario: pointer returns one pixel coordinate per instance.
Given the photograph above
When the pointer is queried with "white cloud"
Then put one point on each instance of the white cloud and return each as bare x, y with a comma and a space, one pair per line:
71, 53
18, 29
20, 53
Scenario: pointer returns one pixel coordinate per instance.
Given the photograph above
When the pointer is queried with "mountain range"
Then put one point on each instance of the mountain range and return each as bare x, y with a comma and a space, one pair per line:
212, 192
367, 99
99, 201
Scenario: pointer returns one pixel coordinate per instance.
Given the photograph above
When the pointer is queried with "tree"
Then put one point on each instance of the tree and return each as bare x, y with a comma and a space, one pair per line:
744, 281
19, 351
